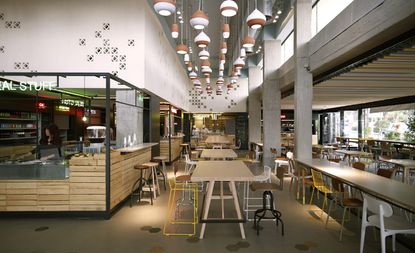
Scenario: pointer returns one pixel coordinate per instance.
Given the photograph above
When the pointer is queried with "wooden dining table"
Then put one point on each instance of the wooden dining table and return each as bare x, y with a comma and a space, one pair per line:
218, 139
218, 154
348, 154
406, 164
392, 191
221, 171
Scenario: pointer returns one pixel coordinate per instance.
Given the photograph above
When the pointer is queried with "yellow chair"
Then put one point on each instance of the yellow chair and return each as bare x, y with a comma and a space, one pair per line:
319, 184
180, 184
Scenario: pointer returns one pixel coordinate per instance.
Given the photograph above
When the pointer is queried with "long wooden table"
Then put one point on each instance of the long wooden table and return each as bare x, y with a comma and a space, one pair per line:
218, 154
406, 164
397, 193
218, 139
220, 171
353, 153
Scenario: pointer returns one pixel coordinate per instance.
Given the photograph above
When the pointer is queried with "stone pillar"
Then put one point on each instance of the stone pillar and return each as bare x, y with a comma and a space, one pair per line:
271, 97
129, 116
303, 87
254, 103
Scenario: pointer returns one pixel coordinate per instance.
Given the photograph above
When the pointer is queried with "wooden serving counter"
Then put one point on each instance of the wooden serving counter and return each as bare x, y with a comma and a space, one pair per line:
83, 190
174, 150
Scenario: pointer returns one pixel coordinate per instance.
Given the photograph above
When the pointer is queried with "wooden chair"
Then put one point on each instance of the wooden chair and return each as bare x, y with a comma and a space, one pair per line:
297, 176
359, 165
386, 173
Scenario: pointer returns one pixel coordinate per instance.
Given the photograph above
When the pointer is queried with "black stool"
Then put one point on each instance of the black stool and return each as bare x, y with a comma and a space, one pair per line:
267, 205
141, 181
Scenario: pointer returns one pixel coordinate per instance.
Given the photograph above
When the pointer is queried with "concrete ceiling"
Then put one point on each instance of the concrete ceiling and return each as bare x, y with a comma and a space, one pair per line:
391, 76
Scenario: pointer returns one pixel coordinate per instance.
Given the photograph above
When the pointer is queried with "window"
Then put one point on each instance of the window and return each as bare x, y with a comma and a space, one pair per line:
287, 48
325, 11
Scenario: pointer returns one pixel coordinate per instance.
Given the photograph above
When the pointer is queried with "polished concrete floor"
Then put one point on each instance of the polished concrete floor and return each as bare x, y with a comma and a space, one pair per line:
140, 229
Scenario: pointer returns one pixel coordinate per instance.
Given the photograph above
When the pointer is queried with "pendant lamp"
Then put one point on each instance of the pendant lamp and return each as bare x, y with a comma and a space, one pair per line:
239, 63
220, 80
202, 40
221, 66
223, 48
189, 66
207, 79
164, 7
192, 75
221, 73
204, 64
248, 41
226, 31
243, 53
256, 19
186, 58
196, 82
221, 58
182, 49
204, 55
199, 20
174, 31
207, 71
228, 8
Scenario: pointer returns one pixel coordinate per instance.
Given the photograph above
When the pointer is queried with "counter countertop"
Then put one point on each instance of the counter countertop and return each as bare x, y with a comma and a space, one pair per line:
137, 147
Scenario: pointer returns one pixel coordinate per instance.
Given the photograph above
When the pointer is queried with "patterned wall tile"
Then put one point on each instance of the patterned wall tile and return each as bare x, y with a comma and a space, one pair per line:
131, 43
106, 42
90, 58
98, 34
16, 25
2, 50
2, 16
106, 26
82, 42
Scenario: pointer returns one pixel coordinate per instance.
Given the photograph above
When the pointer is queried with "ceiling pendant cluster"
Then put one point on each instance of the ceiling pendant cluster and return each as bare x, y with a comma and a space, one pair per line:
199, 21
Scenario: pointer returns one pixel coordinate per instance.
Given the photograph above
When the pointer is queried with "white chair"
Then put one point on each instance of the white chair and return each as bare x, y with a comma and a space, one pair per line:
190, 165
383, 219
258, 152
264, 177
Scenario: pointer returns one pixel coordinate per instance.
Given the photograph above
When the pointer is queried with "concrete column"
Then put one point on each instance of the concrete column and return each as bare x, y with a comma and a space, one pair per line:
129, 116
303, 87
254, 103
271, 97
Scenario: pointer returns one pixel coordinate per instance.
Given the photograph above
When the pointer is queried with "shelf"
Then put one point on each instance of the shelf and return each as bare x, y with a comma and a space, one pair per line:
21, 119
17, 138
17, 129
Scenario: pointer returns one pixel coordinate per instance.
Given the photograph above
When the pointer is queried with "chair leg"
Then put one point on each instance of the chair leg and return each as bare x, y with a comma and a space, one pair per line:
312, 195
383, 242
291, 183
362, 237
341, 228
328, 213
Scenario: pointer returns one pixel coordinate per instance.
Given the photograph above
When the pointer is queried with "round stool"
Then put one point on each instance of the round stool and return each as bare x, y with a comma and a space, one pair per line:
163, 171
140, 182
154, 178
185, 147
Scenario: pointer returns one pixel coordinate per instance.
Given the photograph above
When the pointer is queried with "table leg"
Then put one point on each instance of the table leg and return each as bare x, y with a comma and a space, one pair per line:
237, 208
222, 200
406, 175
207, 206
303, 175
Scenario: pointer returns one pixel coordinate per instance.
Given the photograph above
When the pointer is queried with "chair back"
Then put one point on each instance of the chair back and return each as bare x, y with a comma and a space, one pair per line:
385, 173
337, 185
217, 147
251, 155
335, 160
359, 165
265, 176
317, 178
290, 155
377, 206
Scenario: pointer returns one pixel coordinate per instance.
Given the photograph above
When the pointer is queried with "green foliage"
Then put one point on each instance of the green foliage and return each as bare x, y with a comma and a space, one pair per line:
393, 135
410, 133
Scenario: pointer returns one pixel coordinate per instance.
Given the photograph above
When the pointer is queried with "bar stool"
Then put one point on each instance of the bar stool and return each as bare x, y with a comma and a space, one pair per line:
185, 147
162, 171
267, 205
140, 182
154, 178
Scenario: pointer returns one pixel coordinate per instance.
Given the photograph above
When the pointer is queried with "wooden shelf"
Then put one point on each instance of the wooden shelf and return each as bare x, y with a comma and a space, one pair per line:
21, 119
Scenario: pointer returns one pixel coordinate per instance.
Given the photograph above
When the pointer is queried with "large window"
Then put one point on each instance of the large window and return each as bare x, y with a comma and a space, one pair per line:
324, 11
287, 48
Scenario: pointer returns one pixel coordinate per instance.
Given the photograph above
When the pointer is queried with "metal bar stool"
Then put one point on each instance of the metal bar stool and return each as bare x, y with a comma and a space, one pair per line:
163, 170
141, 181
154, 178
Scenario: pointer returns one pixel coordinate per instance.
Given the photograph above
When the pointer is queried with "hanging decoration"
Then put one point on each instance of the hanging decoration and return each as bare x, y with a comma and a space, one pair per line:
204, 54
164, 7
226, 31
228, 8
256, 19
248, 41
223, 48
202, 40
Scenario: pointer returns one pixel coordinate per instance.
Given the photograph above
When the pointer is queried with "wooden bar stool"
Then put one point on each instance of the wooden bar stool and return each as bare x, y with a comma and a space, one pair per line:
141, 181
185, 149
163, 170
154, 178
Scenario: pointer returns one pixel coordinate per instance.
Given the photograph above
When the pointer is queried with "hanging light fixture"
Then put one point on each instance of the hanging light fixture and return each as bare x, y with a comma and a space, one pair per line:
207, 79
207, 71
164, 7
196, 82
182, 49
223, 48
239, 63
221, 66
204, 55
226, 31
202, 40
186, 58
228, 8
189, 66
248, 41
221, 58
256, 19
243, 53
204, 64
220, 80
199, 20
192, 75
174, 31
221, 73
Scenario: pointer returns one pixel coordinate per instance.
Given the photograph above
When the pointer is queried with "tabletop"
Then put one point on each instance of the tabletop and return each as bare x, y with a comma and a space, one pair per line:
222, 171
218, 153
218, 139
353, 152
409, 163
392, 191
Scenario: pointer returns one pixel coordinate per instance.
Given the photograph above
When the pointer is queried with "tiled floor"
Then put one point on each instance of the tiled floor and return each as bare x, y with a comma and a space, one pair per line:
139, 229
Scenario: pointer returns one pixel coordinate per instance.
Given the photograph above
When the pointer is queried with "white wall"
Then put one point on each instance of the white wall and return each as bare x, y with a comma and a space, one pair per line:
50, 32
236, 101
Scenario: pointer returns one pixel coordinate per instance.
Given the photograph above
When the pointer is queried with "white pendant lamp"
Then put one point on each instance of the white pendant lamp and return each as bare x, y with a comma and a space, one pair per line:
221, 73
228, 8
221, 58
199, 20
248, 41
196, 82
192, 75
204, 55
221, 66
223, 48
204, 64
182, 49
189, 66
226, 31
186, 58
220, 80
207, 71
239, 63
202, 40
174, 31
243, 53
256, 19
164, 7
207, 79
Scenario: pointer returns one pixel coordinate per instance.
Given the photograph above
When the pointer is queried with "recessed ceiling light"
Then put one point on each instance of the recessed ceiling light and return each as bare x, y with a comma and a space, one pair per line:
279, 12
274, 21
